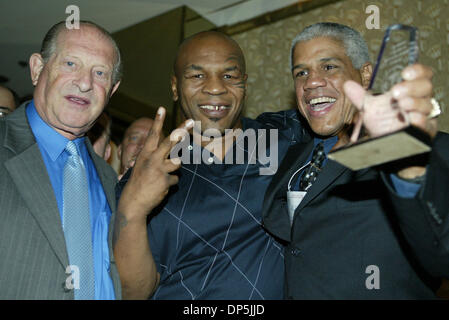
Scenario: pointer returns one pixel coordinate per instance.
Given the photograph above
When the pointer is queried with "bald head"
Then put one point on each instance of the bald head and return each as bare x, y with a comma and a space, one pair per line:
143, 122
7, 101
206, 39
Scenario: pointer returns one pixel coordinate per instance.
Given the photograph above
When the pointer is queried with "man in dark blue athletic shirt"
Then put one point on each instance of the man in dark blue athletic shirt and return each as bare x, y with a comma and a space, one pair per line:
206, 240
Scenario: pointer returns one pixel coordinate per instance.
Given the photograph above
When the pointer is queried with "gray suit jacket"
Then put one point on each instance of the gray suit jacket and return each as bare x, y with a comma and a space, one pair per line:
33, 255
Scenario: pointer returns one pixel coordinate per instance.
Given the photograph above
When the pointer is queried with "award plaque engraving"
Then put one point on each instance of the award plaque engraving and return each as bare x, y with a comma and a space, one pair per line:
399, 49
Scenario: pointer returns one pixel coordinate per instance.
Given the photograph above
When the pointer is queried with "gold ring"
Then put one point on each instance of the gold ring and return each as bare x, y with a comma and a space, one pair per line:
436, 109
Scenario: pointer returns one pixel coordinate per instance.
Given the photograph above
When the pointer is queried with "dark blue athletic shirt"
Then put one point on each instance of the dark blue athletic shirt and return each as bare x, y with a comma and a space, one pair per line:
206, 237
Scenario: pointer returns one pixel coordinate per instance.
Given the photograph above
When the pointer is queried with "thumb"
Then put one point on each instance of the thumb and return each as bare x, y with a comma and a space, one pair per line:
355, 93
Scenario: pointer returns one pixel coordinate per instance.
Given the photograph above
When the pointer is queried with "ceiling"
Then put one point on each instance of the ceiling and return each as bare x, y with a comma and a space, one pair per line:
23, 23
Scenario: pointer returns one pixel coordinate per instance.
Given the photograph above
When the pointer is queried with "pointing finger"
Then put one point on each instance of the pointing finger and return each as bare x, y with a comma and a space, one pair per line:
355, 93
154, 135
175, 137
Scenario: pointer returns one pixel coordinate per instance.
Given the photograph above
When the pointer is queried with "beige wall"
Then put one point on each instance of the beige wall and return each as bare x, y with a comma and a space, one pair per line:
270, 87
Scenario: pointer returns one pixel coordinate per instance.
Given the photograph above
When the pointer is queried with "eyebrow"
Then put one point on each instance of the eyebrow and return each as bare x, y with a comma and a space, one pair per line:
103, 64
199, 68
301, 66
240, 60
194, 67
234, 57
234, 68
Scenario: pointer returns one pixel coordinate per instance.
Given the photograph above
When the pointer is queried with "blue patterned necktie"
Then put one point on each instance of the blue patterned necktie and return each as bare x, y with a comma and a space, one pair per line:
76, 224
310, 175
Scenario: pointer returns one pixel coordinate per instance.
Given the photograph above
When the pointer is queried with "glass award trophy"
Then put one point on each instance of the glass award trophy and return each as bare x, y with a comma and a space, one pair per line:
399, 49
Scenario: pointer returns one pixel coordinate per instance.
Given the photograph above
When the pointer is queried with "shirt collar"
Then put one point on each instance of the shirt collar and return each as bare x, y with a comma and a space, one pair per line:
47, 137
327, 143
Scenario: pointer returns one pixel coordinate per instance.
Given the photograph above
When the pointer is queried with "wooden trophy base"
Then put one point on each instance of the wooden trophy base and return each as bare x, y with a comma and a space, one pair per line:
371, 152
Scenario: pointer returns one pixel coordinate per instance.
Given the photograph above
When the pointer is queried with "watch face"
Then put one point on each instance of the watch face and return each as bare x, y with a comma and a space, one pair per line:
399, 49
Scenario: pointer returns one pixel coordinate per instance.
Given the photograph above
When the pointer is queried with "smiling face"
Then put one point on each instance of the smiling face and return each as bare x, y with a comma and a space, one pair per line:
210, 81
320, 67
74, 86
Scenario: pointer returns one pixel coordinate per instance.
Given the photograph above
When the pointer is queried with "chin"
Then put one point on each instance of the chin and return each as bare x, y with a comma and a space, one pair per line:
211, 131
322, 132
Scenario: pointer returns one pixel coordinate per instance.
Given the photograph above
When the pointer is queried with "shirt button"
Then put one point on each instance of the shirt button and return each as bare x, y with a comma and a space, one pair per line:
295, 251
210, 160
190, 148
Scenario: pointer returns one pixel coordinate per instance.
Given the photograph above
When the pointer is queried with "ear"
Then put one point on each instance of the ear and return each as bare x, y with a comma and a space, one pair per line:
174, 88
119, 151
107, 152
37, 64
366, 71
114, 88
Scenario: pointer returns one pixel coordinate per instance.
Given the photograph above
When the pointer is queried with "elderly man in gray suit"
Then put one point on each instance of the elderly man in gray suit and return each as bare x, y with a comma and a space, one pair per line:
56, 195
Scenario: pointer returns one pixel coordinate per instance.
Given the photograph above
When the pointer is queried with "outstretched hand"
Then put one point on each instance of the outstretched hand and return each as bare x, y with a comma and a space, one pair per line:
406, 103
151, 177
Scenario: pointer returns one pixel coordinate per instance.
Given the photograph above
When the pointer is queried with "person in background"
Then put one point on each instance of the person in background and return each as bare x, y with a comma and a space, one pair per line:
7, 101
114, 160
100, 136
132, 142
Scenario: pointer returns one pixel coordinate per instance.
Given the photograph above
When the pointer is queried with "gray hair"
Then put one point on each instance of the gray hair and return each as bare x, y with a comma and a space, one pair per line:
48, 47
354, 44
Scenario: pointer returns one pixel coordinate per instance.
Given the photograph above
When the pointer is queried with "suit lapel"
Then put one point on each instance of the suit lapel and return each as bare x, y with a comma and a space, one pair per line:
294, 159
28, 171
276, 220
331, 171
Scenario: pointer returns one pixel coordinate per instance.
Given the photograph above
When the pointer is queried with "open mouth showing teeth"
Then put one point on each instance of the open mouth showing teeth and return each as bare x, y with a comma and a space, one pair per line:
78, 100
214, 108
320, 103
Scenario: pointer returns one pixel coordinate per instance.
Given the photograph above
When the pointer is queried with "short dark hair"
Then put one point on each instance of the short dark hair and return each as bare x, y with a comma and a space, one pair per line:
49, 43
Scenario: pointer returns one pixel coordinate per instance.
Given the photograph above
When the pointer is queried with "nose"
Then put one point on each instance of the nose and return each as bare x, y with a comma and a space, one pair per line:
84, 80
315, 80
214, 86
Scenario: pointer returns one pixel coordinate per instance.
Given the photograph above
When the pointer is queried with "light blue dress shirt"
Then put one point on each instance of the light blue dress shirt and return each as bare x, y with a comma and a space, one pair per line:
52, 145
